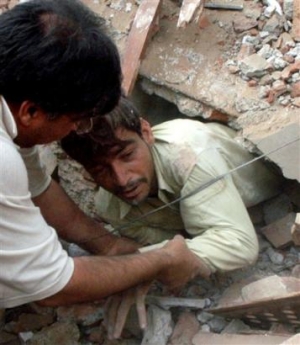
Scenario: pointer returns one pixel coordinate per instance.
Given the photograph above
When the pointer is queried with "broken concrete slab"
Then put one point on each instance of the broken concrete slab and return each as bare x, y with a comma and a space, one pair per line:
237, 339
287, 157
279, 232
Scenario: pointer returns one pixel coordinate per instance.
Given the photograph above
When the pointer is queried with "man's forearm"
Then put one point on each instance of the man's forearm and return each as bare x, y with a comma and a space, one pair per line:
74, 226
95, 277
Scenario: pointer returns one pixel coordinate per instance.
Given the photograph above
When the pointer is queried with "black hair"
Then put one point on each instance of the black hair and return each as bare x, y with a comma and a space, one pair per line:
87, 147
57, 54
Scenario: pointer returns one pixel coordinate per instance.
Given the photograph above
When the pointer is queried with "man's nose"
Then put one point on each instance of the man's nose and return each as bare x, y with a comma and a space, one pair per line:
120, 175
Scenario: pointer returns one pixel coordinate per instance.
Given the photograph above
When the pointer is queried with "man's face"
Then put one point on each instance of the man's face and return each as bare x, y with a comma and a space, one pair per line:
128, 171
34, 126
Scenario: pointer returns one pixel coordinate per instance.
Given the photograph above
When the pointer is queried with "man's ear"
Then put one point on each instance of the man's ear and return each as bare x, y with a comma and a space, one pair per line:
29, 113
147, 132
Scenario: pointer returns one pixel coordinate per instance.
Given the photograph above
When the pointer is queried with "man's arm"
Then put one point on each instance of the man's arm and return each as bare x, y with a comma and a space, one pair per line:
96, 277
217, 219
74, 226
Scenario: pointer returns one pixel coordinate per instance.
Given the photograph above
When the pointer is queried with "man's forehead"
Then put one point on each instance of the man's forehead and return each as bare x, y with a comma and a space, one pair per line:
113, 150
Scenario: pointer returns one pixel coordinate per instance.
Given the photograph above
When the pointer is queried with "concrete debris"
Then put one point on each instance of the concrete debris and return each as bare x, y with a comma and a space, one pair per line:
160, 326
241, 69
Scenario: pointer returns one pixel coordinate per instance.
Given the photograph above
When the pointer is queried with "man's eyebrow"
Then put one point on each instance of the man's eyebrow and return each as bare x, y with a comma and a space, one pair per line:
120, 147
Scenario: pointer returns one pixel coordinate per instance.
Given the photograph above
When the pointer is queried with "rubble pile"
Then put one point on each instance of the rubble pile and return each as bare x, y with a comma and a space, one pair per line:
223, 310
269, 55
192, 317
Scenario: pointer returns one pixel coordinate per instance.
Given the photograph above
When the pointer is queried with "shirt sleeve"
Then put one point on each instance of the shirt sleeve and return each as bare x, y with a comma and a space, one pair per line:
38, 178
217, 219
33, 264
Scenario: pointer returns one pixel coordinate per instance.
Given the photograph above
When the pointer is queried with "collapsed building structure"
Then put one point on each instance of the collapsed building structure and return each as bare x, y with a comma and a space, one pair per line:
232, 61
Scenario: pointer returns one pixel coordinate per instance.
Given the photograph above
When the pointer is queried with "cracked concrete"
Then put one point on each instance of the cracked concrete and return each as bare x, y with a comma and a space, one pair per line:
192, 63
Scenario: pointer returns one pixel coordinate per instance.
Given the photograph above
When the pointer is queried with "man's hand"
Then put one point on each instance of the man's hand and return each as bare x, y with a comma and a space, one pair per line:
184, 265
122, 245
117, 308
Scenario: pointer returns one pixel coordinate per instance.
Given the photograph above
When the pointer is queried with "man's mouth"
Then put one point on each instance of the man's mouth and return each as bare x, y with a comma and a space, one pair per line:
130, 193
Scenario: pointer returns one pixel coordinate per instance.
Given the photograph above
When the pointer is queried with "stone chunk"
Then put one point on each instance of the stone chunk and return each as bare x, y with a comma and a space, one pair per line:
160, 326
279, 232
58, 334
186, 327
84, 314
29, 322
254, 66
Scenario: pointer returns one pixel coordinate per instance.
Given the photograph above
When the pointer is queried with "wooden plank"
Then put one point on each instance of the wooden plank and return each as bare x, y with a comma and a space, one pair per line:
190, 10
144, 25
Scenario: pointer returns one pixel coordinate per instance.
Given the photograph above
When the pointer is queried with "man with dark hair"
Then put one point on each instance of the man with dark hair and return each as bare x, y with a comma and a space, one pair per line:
58, 68
140, 169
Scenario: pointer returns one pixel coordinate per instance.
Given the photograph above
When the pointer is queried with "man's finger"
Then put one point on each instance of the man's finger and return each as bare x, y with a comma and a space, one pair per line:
140, 304
126, 303
111, 314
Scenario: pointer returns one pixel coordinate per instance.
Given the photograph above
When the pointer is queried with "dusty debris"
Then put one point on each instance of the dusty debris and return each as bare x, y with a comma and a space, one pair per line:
179, 69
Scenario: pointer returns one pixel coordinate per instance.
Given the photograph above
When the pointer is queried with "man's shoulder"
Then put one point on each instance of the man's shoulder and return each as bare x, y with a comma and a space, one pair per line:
176, 128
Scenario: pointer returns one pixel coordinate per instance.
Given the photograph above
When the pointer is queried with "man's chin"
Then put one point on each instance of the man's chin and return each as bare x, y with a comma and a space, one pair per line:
134, 201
